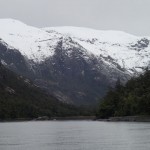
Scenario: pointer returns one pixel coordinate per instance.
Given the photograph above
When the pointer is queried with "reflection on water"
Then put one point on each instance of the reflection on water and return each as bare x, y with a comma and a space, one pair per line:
74, 135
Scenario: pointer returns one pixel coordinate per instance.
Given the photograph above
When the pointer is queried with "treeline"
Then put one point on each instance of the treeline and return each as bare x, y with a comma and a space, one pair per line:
20, 98
129, 100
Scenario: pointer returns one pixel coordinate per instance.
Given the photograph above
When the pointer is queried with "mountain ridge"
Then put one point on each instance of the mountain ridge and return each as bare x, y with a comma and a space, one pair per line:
72, 63
34, 39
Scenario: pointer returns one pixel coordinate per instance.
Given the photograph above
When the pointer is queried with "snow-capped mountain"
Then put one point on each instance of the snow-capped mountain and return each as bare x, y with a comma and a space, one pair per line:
128, 51
75, 64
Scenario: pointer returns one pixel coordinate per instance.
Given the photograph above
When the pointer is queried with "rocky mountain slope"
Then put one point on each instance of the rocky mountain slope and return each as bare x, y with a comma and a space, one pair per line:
77, 65
20, 98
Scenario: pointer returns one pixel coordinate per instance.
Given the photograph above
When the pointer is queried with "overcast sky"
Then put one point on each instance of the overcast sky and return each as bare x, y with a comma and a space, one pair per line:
132, 16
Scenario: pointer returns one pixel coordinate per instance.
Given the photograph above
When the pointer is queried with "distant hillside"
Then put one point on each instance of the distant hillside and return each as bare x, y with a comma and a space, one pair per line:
129, 100
19, 98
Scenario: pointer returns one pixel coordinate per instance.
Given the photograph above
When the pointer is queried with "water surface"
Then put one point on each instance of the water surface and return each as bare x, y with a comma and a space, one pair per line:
74, 135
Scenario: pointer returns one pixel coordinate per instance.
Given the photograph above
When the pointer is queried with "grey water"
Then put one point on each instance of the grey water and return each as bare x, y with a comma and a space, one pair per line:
74, 135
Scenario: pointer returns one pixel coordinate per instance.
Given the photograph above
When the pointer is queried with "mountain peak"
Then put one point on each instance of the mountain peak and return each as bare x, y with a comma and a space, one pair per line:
10, 22
126, 50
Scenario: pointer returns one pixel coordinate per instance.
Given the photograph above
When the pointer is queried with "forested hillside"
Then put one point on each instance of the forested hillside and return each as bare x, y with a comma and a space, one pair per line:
129, 100
20, 98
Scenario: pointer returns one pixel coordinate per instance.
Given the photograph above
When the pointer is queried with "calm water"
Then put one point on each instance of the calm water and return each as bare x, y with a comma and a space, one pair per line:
74, 135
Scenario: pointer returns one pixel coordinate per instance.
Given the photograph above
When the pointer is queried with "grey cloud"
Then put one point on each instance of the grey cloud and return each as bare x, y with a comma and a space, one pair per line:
131, 16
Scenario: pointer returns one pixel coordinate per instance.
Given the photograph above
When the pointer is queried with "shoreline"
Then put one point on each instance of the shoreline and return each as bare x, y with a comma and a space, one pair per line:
127, 119
82, 118
45, 118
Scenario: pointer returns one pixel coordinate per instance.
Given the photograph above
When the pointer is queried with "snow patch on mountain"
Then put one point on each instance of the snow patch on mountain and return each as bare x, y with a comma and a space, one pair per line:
91, 34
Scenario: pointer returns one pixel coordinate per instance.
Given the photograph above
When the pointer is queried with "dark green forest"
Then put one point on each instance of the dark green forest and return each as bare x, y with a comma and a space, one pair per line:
130, 99
20, 98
